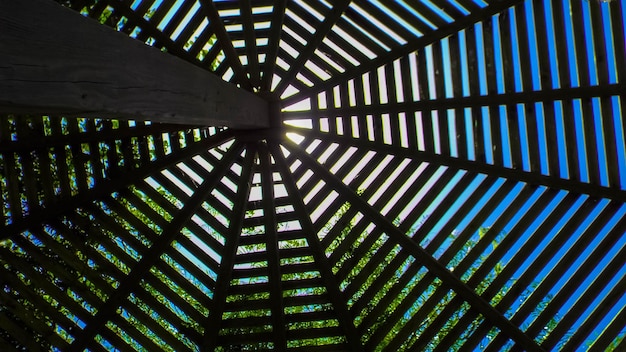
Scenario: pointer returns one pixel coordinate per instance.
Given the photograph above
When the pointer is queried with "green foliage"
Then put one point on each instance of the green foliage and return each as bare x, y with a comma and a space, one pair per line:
87, 263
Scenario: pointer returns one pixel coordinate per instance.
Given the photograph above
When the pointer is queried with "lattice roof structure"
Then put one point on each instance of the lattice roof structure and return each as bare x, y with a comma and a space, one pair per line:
312, 175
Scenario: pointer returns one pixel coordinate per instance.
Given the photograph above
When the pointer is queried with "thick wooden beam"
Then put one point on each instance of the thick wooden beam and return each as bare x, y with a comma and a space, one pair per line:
54, 61
449, 279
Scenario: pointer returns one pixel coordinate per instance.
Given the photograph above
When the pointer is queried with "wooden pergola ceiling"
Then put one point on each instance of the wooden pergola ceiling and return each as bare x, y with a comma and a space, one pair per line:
312, 175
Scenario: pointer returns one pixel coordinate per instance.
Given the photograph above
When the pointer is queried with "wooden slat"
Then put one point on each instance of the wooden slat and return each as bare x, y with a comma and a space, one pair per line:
455, 218
440, 90
565, 81
427, 105
457, 92
94, 71
369, 28
420, 319
18, 333
617, 30
470, 259
117, 182
503, 246
512, 134
43, 285
594, 289
181, 304
480, 143
154, 328
581, 272
548, 80
531, 272
278, 16
176, 278
32, 309
443, 206
251, 45
529, 117
611, 335
411, 297
27, 163
131, 329
422, 9
155, 18
227, 46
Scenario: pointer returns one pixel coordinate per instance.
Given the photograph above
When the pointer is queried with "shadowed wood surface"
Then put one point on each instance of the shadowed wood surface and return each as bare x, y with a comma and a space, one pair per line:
54, 62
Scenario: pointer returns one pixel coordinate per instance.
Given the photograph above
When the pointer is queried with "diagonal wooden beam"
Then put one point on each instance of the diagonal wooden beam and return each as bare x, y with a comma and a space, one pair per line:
533, 178
251, 46
548, 95
213, 322
148, 29
223, 39
448, 278
131, 282
54, 61
337, 297
278, 16
271, 237
37, 216
413, 45
338, 8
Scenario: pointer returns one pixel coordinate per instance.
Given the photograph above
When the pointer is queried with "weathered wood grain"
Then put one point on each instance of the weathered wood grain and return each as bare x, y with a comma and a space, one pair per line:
53, 61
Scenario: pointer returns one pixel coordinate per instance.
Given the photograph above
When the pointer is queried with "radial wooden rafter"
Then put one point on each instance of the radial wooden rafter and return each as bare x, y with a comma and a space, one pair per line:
438, 169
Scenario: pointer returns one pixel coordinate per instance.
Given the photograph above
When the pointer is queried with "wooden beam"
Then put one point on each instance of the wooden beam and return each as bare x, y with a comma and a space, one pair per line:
337, 297
118, 180
224, 41
449, 279
130, 283
411, 46
509, 99
54, 61
271, 242
254, 70
321, 32
213, 323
